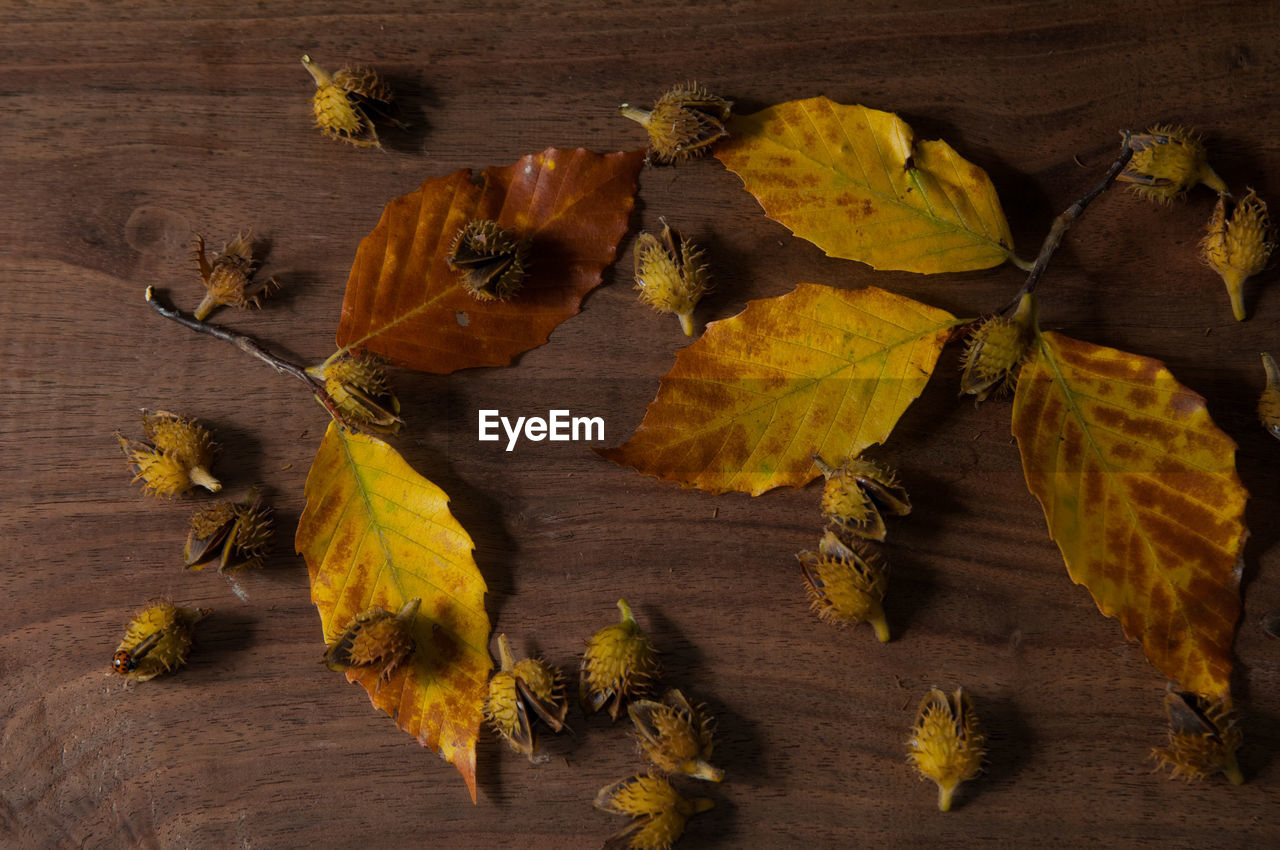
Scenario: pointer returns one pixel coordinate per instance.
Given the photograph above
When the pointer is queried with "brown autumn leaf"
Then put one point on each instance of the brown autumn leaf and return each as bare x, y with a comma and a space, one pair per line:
374, 532
819, 370
1140, 491
405, 303
855, 182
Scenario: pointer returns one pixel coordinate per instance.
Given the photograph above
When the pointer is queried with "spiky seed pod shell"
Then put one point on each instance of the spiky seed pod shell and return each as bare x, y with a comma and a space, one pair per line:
157, 640
1269, 401
671, 274
375, 638
1167, 161
178, 457
228, 279
491, 260
846, 585
1203, 738
212, 519
993, 355
857, 491
237, 535
947, 745
543, 680
184, 438
660, 812
675, 736
1237, 245
359, 388
502, 709
619, 663
254, 530
683, 124
343, 100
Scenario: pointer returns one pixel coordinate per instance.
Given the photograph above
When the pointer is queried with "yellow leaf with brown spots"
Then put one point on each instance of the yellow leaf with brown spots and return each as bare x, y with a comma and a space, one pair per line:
855, 182
1140, 492
374, 532
816, 371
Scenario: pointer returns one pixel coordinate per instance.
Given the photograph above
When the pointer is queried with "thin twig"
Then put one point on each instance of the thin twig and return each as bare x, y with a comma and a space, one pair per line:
1063, 222
249, 346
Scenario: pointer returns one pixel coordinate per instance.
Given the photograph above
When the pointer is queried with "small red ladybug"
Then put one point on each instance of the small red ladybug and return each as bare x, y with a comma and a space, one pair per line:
122, 662
125, 662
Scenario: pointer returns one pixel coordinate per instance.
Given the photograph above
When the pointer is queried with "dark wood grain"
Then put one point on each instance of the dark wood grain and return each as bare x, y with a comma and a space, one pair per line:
128, 127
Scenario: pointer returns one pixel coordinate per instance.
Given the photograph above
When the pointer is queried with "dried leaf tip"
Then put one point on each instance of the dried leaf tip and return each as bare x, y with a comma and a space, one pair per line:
1269, 401
671, 274
846, 585
237, 535
995, 351
228, 277
347, 104
518, 688
659, 811
157, 640
619, 663
491, 260
1167, 161
1237, 244
947, 745
375, 638
675, 736
359, 388
683, 124
1203, 738
857, 492
176, 458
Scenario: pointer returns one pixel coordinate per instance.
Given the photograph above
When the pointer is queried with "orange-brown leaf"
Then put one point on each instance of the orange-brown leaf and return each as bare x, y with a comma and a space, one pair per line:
374, 532
816, 371
1140, 492
855, 182
405, 303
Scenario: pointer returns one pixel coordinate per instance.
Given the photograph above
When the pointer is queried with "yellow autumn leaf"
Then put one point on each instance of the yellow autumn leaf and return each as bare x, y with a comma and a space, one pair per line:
1140, 492
855, 182
816, 371
374, 532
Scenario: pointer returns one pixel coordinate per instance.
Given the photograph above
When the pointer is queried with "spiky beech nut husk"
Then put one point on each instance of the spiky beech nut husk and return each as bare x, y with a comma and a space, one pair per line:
228, 277
235, 535
1237, 245
671, 274
519, 689
348, 103
359, 388
491, 260
683, 124
995, 350
674, 735
375, 638
177, 456
157, 640
659, 811
1269, 401
1167, 161
858, 492
619, 663
846, 585
1203, 738
947, 745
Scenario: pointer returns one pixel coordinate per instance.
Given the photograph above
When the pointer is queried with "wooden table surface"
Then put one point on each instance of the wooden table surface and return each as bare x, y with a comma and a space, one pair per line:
128, 127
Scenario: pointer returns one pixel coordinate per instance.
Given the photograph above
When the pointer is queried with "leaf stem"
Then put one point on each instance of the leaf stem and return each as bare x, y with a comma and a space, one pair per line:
249, 346
1063, 222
